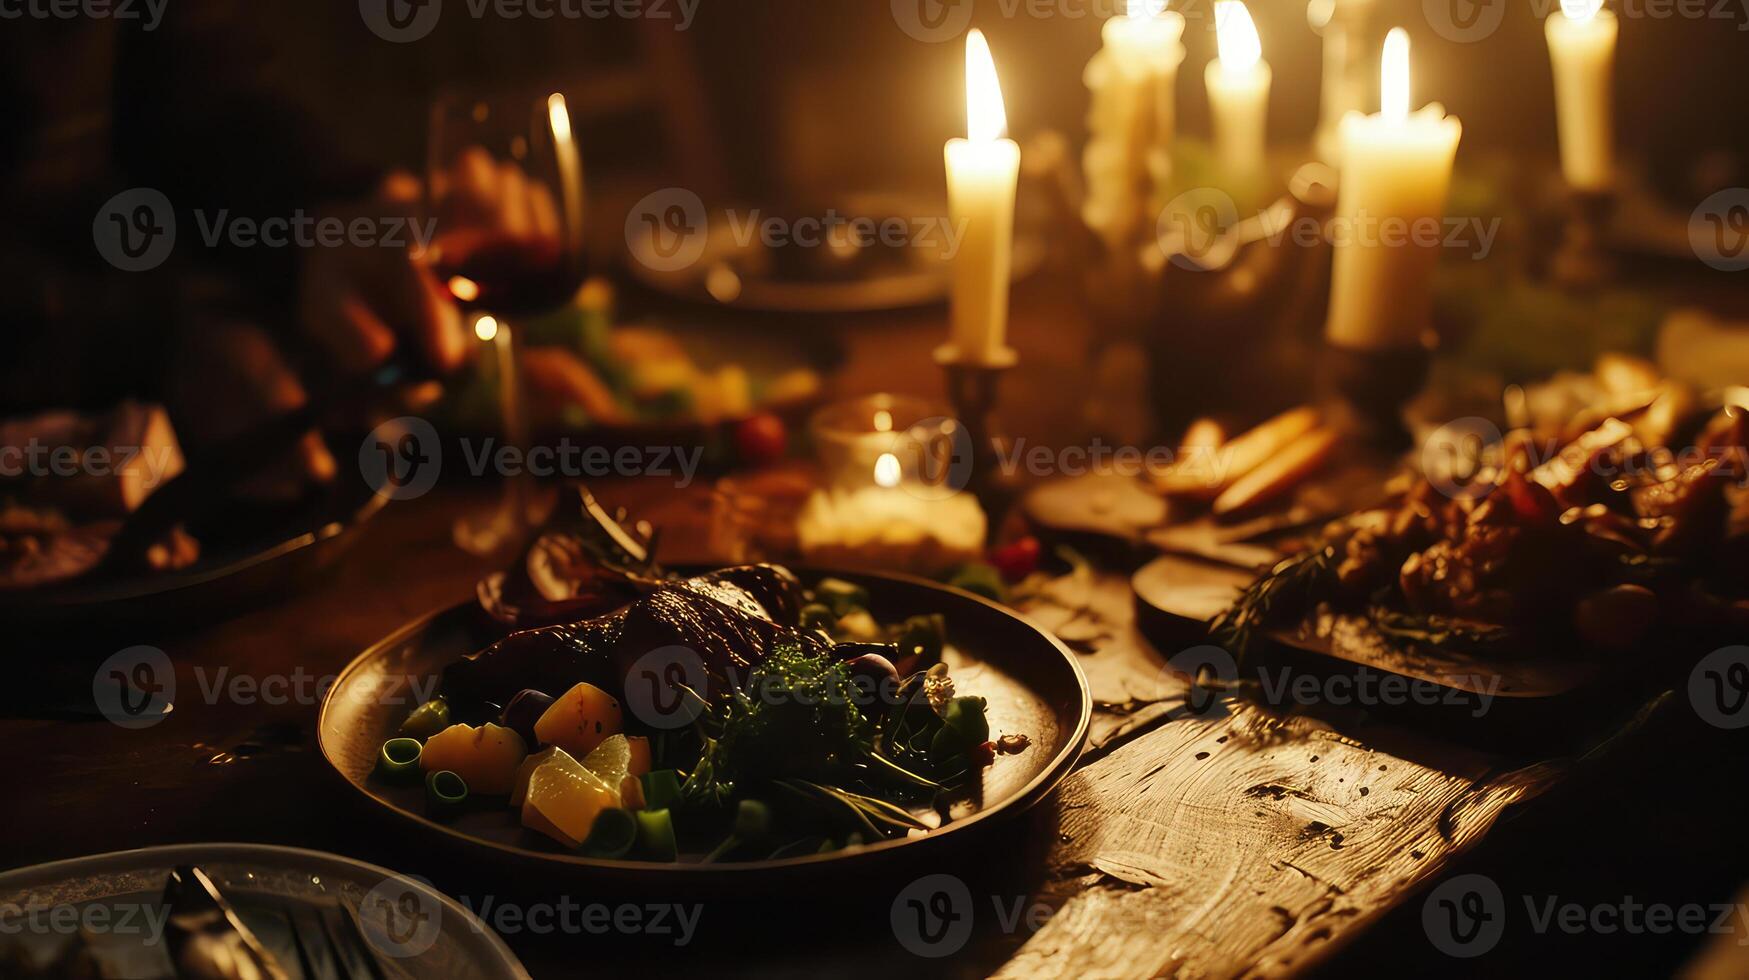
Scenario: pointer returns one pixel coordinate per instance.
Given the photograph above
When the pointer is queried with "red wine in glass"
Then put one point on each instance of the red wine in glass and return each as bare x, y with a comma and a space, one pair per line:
512, 275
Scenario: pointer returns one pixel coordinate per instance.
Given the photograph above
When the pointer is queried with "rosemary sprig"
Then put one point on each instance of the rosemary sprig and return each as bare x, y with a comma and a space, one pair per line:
1287, 588
1428, 629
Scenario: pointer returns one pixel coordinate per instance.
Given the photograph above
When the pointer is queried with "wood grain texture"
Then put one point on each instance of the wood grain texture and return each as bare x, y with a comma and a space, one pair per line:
1238, 843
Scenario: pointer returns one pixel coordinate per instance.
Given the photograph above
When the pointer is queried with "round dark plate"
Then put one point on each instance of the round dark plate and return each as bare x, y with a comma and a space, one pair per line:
1032, 683
264, 883
269, 560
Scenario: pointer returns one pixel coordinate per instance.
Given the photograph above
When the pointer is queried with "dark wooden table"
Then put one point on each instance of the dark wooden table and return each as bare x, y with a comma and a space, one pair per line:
1239, 844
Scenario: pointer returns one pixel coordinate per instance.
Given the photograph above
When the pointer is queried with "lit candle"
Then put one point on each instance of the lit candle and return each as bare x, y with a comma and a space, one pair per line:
1131, 117
1238, 85
1582, 50
888, 526
1396, 169
982, 171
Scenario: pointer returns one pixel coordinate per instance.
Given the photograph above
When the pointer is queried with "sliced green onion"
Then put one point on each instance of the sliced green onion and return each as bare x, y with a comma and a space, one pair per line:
613, 835
445, 791
398, 758
842, 596
752, 820
427, 720
656, 835
661, 789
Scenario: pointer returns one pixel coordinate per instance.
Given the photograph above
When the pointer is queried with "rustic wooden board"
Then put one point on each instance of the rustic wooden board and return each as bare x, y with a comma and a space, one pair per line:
1239, 843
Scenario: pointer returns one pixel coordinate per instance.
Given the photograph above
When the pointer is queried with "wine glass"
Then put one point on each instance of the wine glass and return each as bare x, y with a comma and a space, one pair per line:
505, 189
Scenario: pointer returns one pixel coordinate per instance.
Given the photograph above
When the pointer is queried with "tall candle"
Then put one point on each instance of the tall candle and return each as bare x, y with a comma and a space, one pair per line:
1582, 50
1396, 170
1343, 24
1238, 86
1131, 117
982, 172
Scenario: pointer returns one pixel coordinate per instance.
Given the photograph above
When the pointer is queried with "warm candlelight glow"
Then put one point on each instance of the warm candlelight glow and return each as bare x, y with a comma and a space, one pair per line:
1394, 75
464, 289
1580, 9
1236, 37
560, 117
986, 119
486, 328
886, 471
1145, 8
883, 420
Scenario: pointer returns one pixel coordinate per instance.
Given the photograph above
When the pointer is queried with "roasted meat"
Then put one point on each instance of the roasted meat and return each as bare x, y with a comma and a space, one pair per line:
728, 618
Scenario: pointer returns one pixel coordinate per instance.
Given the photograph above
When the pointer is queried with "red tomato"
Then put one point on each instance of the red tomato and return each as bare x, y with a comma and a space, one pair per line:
1016, 559
760, 439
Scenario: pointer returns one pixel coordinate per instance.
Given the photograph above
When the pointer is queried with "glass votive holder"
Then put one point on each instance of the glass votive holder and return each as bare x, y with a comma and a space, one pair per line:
852, 439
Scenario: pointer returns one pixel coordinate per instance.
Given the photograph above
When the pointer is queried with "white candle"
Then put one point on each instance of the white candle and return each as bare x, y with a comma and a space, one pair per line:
982, 171
1131, 116
1238, 86
890, 526
1582, 50
1396, 169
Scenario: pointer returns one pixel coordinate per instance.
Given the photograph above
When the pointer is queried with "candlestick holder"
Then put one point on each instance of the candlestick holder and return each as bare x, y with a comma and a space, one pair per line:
1583, 259
973, 389
1365, 390
1227, 302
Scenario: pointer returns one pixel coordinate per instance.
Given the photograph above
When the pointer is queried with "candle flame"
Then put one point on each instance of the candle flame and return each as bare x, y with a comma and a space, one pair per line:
1236, 37
1145, 8
1580, 9
486, 328
886, 472
986, 119
883, 420
560, 117
1394, 75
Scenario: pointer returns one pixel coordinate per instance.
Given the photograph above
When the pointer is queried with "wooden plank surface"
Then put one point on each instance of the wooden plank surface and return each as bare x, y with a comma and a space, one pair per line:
1237, 842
